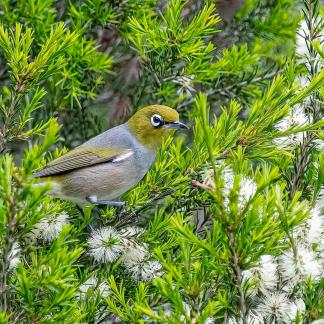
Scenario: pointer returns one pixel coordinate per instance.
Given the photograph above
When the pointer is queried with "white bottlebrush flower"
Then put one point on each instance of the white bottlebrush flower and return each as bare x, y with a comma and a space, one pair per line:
14, 256
274, 307
48, 229
150, 270
264, 275
252, 318
251, 278
144, 271
228, 176
232, 320
296, 117
247, 186
300, 268
105, 245
135, 259
320, 251
320, 199
297, 307
185, 85
269, 272
247, 189
303, 81
316, 225
312, 231
95, 285
134, 253
288, 287
319, 143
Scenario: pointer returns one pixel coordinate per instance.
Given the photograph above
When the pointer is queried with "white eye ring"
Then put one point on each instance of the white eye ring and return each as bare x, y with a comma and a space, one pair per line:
156, 120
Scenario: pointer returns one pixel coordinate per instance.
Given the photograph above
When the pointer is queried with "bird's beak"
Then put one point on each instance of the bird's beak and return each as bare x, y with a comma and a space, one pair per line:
176, 124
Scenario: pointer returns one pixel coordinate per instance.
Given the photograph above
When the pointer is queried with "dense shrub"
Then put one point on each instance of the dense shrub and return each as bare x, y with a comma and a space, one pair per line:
228, 225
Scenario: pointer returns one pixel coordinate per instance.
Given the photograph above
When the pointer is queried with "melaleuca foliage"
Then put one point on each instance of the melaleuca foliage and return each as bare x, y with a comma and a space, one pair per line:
228, 225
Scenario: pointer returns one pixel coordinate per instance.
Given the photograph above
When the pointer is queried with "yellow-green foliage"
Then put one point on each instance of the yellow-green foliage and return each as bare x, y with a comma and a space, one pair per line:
237, 194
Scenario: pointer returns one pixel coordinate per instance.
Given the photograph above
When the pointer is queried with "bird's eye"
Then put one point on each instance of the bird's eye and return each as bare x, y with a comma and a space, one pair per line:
156, 120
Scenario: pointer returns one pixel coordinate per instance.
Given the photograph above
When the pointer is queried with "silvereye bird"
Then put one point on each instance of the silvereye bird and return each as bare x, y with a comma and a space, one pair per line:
108, 165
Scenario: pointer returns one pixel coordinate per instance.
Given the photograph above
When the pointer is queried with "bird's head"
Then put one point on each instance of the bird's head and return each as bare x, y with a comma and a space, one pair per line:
153, 123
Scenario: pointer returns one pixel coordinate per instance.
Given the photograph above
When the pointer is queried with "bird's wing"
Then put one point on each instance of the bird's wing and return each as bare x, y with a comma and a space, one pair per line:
81, 157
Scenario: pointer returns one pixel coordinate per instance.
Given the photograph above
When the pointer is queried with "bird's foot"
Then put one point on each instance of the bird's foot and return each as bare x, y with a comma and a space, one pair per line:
96, 200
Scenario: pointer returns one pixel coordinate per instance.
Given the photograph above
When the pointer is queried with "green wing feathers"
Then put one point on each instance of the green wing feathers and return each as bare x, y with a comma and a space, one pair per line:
82, 157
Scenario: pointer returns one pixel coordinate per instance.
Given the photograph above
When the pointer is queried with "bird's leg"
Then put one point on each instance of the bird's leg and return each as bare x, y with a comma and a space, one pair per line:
96, 200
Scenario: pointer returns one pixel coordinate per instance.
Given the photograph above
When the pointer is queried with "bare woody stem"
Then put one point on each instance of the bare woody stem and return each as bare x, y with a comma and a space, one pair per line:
237, 273
301, 164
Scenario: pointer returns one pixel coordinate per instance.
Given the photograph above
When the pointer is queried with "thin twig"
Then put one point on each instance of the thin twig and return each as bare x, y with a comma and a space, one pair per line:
237, 273
128, 217
10, 113
225, 90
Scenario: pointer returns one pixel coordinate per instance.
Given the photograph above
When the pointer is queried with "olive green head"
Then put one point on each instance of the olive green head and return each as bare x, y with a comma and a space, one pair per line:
153, 123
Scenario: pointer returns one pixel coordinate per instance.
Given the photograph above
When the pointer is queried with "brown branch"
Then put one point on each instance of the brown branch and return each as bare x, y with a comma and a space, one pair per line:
237, 273
301, 165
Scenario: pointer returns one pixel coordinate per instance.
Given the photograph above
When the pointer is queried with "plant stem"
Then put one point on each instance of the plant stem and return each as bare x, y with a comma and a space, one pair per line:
301, 164
128, 217
237, 273
5, 256
9, 114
